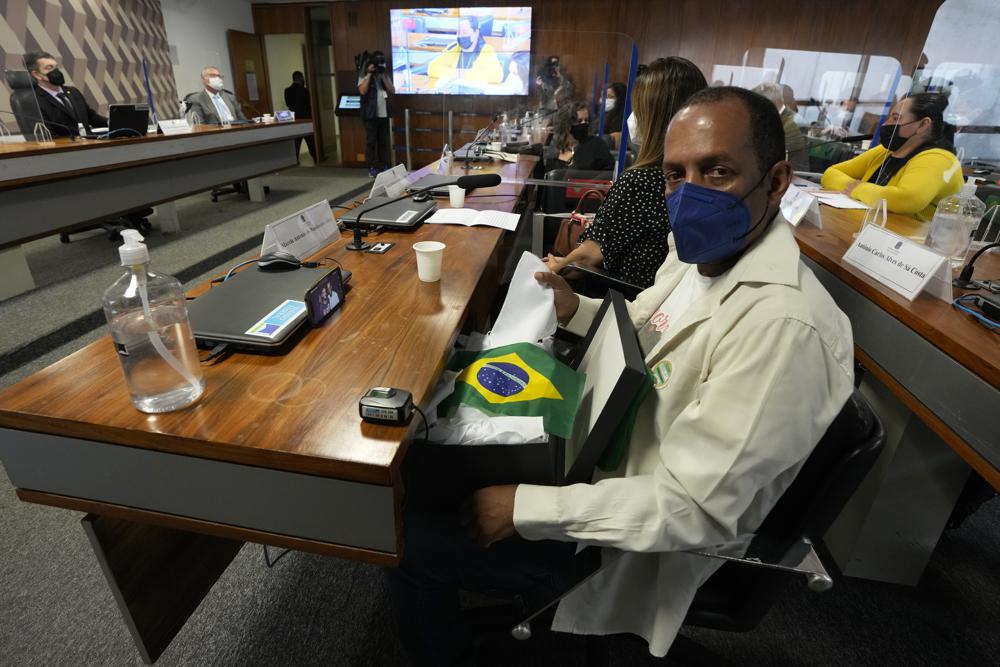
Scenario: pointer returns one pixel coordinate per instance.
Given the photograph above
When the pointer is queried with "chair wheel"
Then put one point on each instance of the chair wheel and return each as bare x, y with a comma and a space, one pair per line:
214, 199
64, 238
144, 225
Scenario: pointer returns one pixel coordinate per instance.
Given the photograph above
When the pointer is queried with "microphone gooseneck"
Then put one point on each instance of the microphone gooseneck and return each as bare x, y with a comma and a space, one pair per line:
464, 182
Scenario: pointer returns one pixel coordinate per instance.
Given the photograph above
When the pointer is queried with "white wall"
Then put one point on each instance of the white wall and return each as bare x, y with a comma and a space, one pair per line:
284, 56
196, 31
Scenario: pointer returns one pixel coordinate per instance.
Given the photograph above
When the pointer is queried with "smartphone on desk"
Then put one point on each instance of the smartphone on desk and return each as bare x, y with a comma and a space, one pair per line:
324, 297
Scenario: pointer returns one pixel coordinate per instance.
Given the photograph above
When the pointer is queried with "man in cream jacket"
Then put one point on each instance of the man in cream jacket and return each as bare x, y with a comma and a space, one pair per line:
751, 361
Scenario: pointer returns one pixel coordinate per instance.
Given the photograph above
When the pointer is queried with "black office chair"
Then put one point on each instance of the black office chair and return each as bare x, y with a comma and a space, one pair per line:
740, 593
23, 104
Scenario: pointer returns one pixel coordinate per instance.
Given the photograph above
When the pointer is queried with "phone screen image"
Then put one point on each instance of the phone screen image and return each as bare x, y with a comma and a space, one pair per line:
325, 297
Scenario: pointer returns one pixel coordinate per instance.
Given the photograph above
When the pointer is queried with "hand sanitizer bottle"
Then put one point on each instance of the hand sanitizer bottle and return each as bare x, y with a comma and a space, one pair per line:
955, 219
149, 326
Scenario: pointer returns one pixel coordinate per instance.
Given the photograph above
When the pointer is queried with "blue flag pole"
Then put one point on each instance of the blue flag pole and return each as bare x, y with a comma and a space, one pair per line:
632, 67
604, 98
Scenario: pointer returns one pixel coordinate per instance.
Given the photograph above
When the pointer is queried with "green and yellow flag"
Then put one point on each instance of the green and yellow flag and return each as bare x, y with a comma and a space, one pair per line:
517, 380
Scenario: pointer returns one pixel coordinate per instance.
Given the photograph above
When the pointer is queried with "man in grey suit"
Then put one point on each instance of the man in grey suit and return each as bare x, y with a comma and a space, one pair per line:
213, 105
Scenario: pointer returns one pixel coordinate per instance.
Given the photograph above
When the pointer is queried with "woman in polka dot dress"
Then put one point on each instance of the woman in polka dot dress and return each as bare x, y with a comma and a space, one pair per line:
628, 237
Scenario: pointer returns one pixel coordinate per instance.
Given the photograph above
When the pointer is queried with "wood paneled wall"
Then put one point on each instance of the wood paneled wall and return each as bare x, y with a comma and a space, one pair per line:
708, 32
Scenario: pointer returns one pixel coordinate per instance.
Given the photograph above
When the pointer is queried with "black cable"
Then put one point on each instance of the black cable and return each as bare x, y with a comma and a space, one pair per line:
427, 431
267, 556
216, 352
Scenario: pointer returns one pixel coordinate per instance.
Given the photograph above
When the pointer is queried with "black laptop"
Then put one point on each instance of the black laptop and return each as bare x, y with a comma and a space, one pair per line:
403, 214
124, 121
254, 311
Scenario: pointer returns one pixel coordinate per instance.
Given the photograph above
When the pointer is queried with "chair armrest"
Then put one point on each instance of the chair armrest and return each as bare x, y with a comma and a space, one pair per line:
603, 278
798, 558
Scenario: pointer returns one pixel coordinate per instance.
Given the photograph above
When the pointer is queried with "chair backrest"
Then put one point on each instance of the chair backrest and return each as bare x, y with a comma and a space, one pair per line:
22, 100
830, 475
24, 106
737, 596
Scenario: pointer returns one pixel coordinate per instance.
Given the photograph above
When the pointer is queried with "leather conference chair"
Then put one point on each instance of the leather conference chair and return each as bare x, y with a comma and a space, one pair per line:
22, 100
738, 596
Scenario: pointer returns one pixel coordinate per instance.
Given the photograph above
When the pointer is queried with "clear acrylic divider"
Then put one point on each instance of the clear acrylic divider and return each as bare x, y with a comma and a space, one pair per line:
20, 118
831, 103
960, 60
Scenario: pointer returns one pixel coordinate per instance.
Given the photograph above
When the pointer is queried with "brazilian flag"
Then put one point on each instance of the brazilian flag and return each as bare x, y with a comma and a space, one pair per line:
519, 380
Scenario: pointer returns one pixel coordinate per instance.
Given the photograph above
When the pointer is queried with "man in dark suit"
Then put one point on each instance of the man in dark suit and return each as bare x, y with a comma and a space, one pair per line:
297, 101
62, 107
213, 105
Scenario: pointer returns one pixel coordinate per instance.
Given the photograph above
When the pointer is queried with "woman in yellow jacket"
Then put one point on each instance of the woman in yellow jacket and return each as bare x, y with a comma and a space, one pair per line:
470, 59
913, 169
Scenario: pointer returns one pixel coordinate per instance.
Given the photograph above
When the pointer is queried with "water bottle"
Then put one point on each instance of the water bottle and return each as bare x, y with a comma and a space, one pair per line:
149, 326
955, 218
504, 131
444, 164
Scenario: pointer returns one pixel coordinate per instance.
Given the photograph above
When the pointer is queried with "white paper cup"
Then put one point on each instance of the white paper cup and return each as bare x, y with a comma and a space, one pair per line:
429, 255
457, 196
293, 114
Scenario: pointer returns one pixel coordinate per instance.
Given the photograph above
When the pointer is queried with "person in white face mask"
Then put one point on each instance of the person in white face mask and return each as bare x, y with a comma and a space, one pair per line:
213, 104
614, 109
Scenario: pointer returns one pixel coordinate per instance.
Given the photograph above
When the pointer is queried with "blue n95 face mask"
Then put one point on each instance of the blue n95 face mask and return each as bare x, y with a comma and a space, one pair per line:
708, 225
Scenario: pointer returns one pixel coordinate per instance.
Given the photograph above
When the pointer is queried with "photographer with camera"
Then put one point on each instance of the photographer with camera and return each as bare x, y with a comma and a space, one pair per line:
375, 86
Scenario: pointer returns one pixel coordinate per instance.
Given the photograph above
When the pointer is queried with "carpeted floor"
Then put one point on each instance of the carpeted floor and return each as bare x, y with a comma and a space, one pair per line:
56, 609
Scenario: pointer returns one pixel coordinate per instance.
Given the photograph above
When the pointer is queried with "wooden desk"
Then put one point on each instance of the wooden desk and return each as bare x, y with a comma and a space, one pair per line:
49, 188
274, 452
931, 364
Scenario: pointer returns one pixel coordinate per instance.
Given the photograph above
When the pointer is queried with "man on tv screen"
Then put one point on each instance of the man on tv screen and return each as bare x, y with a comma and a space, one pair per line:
470, 58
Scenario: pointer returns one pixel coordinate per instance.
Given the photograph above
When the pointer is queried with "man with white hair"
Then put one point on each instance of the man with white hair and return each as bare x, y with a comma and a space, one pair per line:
213, 105
795, 144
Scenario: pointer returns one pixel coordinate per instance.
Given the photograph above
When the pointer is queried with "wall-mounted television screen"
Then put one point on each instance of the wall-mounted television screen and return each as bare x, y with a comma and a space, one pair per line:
461, 51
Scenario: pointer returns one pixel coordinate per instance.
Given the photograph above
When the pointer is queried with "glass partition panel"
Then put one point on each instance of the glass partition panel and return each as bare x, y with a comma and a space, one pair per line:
960, 60
20, 116
831, 103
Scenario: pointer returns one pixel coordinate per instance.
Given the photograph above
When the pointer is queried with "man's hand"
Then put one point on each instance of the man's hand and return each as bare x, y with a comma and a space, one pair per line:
566, 301
488, 515
371, 68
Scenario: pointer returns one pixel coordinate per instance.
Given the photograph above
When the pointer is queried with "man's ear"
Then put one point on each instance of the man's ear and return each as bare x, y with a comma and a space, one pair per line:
781, 179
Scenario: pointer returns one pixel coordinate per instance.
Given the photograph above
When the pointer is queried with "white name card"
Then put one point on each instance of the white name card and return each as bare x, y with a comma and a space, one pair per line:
178, 126
302, 233
903, 266
798, 205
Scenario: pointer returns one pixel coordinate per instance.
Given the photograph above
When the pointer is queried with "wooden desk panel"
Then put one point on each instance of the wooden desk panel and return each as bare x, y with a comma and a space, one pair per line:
937, 361
32, 163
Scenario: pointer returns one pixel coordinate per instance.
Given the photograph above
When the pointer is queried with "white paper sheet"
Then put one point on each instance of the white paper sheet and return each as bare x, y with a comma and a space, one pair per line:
529, 313
838, 200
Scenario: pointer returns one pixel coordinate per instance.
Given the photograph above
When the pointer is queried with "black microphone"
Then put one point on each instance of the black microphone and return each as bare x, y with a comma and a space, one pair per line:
964, 279
464, 182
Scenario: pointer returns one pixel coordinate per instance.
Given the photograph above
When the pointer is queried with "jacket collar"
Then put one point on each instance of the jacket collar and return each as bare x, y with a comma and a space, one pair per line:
773, 259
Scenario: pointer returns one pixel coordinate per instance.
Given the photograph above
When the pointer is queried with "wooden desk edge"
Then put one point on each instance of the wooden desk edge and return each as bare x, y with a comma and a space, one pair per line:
10, 185
210, 528
960, 446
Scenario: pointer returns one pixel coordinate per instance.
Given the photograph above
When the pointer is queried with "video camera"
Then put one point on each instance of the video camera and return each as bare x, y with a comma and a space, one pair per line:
362, 60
